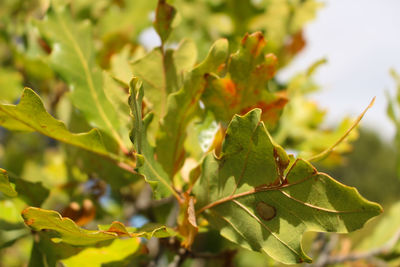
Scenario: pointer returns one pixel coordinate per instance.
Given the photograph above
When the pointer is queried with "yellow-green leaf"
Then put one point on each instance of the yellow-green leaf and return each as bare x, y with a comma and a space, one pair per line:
94, 257
67, 231
73, 58
183, 106
244, 84
5, 186
30, 114
151, 168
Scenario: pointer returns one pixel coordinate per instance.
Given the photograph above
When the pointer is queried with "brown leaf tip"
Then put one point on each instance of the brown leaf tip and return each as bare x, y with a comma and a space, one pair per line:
29, 221
265, 211
118, 228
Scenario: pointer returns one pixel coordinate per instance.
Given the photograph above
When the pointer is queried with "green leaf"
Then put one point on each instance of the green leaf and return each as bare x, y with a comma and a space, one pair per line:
73, 58
150, 70
245, 84
47, 253
163, 74
256, 201
12, 80
151, 168
183, 106
165, 15
32, 193
5, 186
65, 230
30, 114
147, 231
132, 18
93, 257
184, 57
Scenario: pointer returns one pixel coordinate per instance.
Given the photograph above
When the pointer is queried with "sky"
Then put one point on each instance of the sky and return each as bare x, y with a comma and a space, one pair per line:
361, 41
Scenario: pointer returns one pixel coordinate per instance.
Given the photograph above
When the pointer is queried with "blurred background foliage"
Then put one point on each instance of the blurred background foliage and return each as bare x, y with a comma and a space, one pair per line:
62, 178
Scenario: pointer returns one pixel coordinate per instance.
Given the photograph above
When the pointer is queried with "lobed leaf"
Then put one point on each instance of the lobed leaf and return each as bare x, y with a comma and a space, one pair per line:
244, 86
73, 57
165, 15
67, 231
151, 168
31, 115
32, 193
162, 73
256, 200
183, 106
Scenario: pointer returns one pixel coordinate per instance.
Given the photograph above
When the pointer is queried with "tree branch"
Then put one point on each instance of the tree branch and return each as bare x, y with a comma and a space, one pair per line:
382, 250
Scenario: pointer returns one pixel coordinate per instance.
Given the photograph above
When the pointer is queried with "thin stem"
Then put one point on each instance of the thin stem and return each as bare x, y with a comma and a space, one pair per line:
326, 152
382, 250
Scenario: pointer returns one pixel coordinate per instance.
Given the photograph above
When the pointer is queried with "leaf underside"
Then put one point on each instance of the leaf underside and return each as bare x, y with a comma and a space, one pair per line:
257, 201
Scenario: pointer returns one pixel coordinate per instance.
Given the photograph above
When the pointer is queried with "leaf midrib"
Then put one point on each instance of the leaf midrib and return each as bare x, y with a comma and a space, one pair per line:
273, 188
65, 140
86, 233
89, 80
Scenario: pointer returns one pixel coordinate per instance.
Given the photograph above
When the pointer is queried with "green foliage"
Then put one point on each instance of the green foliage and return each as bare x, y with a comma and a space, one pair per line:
250, 194
72, 57
68, 232
5, 186
30, 115
178, 149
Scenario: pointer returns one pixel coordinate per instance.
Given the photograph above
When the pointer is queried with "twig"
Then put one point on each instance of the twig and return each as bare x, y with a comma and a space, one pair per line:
326, 250
382, 250
327, 151
318, 244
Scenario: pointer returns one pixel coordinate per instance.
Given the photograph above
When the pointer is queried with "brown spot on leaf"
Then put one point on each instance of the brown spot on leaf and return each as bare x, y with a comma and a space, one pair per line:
244, 40
265, 211
44, 45
221, 67
30, 221
280, 164
256, 50
295, 44
271, 110
229, 86
255, 42
118, 228
271, 61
